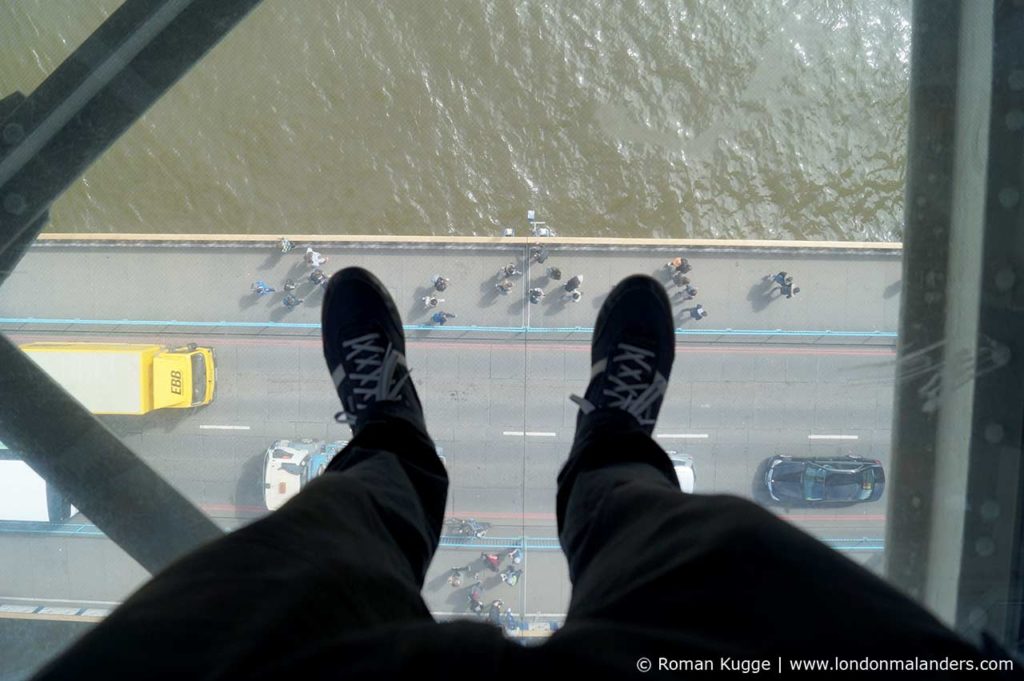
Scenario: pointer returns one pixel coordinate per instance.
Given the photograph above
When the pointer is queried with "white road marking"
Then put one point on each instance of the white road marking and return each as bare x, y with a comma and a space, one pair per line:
682, 436
56, 600
50, 610
833, 437
529, 433
224, 428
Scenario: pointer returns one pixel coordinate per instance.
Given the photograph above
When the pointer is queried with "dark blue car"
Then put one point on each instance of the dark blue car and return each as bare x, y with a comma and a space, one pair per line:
822, 481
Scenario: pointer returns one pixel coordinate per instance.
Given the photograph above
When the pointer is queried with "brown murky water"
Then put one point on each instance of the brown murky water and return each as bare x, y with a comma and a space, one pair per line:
699, 118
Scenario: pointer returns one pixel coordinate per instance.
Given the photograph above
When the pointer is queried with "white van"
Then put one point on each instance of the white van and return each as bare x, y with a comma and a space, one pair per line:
24, 495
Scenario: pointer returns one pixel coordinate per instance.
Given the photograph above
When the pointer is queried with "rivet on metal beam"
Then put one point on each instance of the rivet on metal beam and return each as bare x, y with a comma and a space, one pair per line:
994, 433
990, 510
1005, 279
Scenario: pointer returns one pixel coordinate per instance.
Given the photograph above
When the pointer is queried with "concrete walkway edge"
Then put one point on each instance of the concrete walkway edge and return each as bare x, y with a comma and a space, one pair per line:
65, 238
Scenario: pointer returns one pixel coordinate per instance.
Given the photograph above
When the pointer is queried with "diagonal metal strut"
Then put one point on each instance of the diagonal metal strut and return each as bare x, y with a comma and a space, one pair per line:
47, 141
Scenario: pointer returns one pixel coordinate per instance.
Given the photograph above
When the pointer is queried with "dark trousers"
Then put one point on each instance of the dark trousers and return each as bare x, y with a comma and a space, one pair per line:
329, 585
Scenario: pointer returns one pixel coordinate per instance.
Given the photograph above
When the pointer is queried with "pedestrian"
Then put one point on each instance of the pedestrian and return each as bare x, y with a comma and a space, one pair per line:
511, 625
688, 293
475, 595
510, 270
678, 264
260, 288
440, 283
554, 273
779, 278
455, 576
291, 301
573, 296
289, 285
441, 318
431, 301
574, 283
698, 312
493, 560
317, 276
314, 259
538, 254
516, 556
286, 245
787, 289
680, 279
494, 612
511, 575
504, 286
536, 295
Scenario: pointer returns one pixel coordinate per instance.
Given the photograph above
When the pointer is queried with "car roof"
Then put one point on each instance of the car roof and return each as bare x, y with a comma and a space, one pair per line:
303, 446
828, 461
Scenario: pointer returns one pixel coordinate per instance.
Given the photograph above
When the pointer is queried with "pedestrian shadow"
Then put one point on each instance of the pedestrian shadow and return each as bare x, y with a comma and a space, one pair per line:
517, 306
458, 599
249, 491
663, 274
280, 313
312, 295
893, 289
440, 581
555, 302
251, 300
488, 293
683, 316
271, 260
760, 295
298, 270
417, 309
283, 311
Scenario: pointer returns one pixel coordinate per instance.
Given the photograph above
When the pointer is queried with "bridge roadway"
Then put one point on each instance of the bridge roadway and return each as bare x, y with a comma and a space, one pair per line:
496, 400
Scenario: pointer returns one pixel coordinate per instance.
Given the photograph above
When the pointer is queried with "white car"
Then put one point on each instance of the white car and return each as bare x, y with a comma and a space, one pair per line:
289, 465
683, 463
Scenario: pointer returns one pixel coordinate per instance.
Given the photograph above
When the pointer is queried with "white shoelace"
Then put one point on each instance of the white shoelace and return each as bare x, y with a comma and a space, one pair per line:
374, 375
629, 390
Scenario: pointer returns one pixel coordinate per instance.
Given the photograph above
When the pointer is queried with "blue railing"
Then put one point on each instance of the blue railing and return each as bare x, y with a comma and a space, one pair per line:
447, 541
447, 329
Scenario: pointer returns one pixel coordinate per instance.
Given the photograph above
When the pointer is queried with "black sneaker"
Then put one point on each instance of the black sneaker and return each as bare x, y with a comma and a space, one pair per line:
631, 352
365, 351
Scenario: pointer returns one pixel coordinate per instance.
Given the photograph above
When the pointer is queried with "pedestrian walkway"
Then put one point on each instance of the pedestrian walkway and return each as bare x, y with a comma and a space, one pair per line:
855, 290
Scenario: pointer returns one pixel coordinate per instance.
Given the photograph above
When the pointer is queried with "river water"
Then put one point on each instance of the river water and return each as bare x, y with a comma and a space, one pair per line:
676, 118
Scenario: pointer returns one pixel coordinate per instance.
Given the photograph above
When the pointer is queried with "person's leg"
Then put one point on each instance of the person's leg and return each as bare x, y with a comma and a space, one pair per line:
348, 553
715, 569
642, 553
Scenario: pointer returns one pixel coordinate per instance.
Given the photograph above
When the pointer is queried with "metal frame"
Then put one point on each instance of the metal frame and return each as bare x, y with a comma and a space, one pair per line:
954, 518
964, 252
47, 140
